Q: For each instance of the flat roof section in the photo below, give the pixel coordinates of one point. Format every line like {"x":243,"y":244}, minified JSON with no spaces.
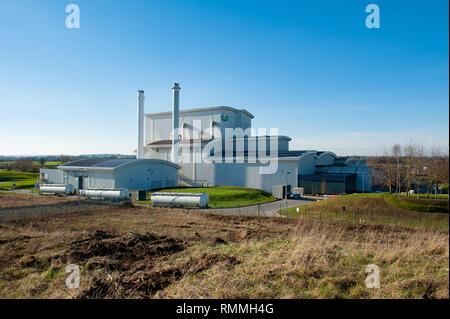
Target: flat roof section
{"x":205,"y":109}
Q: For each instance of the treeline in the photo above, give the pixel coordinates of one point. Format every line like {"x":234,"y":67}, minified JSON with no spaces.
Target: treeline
{"x":33,"y":164}
{"x":26,"y":164}
{"x":412,"y":167}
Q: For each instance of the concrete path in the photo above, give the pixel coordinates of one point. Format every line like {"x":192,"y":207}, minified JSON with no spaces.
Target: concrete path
{"x":266,"y":209}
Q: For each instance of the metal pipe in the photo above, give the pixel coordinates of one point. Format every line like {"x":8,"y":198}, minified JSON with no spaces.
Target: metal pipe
{"x":175,"y":120}
{"x":140,"y":106}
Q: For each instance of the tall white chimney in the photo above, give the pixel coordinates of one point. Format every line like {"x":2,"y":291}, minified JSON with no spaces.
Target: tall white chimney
{"x":140,"y":109}
{"x":175,"y":120}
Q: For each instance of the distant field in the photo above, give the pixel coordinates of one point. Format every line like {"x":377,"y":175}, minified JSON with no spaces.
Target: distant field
{"x":48,"y":164}
{"x":22,"y":180}
{"x":227,"y":196}
{"x":379,"y":208}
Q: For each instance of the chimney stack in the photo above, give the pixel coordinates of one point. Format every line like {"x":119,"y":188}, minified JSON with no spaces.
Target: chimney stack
{"x":140,"y":109}
{"x":175,"y":120}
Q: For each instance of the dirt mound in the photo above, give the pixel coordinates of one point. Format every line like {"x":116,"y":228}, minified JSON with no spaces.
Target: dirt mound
{"x":219,"y":240}
{"x":145,"y":283}
{"x":125,"y":205}
{"x":134,"y":265}
{"x":121,"y":251}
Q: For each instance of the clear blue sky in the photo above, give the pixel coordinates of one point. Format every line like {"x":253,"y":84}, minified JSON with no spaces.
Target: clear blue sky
{"x":310,"y":68}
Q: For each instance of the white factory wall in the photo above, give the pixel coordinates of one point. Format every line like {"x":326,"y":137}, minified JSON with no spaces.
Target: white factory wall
{"x":241,"y":174}
{"x":260,"y":143}
{"x":53,"y":175}
{"x":91,"y":179}
{"x":146,"y":176}
{"x":307,"y":164}
{"x":161,"y":153}
{"x":99,"y":180}
{"x":159,"y":127}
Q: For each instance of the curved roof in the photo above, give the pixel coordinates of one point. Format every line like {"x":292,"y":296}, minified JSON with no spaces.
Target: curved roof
{"x":111,"y":164}
{"x":323,"y":153}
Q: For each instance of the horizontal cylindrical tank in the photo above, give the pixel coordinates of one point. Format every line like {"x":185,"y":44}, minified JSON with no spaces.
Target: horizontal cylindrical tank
{"x":109,"y":194}
{"x":186,"y":200}
{"x":58,"y":189}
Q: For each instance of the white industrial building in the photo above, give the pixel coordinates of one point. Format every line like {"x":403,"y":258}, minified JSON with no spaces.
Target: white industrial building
{"x":201,"y":151}
{"x":98,"y":173}
{"x":203,"y":130}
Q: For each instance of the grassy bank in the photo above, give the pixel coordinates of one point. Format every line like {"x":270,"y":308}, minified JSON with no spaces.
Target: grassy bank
{"x":425,"y":196}
{"x":22,"y":180}
{"x":226,"y":196}
{"x":384,"y":209}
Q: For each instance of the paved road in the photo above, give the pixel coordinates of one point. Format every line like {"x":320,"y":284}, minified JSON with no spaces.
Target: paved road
{"x":267,"y":209}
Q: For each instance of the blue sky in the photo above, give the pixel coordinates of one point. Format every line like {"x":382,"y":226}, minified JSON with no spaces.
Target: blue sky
{"x":309,"y":68}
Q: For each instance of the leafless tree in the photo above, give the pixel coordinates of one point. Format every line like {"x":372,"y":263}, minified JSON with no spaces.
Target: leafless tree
{"x":397,"y":154}
{"x":409,"y":153}
{"x":384,"y":169}
{"x":25,"y":165}
{"x":412,"y":167}
{"x":64,"y":159}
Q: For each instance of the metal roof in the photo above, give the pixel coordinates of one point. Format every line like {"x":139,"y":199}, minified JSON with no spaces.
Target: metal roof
{"x":206,"y":109}
{"x":292,"y":153}
{"x":108,"y":164}
{"x":189,"y":141}
{"x":99,"y":162}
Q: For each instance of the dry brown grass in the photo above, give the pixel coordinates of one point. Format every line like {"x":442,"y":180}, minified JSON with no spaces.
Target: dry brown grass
{"x":9,"y":200}
{"x":254,"y":258}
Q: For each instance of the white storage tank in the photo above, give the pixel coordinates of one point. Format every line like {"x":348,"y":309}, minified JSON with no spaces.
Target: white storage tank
{"x":186,"y":200}
{"x":58,"y":189}
{"x":108,"y":194}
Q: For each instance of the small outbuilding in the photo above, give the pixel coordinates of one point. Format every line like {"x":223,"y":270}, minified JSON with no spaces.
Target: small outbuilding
{"x":136,"y":174}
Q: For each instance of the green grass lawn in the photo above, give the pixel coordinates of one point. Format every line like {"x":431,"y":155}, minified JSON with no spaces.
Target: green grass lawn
{"x":226,"y":196}
{"x":379,"y":208}
{"x":22,"y":180}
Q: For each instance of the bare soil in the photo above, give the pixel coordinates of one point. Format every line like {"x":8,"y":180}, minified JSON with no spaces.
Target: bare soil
{"x":8,"y":200}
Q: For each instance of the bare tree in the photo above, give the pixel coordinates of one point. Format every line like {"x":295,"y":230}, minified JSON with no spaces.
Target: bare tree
{"x":397,"y":154}
{"x":442,"y":169}
{"x":418,"y":166}
{"x":410,"y":153}
{"x":24,"y":165}
{"x":42,"y":162}
{"x":384,"y":169}
{"x":64,"y":159}
{"x":413,"y":168}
